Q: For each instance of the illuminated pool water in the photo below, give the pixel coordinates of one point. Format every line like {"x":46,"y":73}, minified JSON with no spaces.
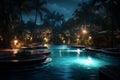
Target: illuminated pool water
{"x":67,"y":64}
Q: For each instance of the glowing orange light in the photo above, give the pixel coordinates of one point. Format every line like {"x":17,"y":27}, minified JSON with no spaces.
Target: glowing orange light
{"x":46,"y":39}
{"x":15,"y":51}
{"x":15,"y":42}
{"x":90,"y":37}
{"x":77,"y":39}
{"x":84,"y":31}
{"x":64,"y":41}
{"x":78,"y":36}
{"x":46,"y":45}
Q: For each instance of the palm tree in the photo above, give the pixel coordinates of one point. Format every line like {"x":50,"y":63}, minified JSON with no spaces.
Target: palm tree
{"x":54,"y":20}
{"x":39,"y":8}
{"x":22,"y":7}
{"x":9,"y":15}
{"x":112,"y":7}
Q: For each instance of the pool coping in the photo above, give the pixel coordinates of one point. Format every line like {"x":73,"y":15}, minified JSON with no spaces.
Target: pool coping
{"x":117,"y":54}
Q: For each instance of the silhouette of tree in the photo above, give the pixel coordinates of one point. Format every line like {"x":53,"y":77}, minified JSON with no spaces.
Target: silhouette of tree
{"x":8,"y":14}
{"x":10,"y":17}
{"x":38,"y":5}
{"x":112,"y":8}
{"x":23,"y":7}
{"x":54,"y":20}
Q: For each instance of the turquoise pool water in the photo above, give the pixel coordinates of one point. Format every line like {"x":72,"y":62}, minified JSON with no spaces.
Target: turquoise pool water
{"x":67,"y":64}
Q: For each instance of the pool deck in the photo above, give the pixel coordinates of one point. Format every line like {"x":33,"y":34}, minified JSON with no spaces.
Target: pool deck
{"x":8,"y":58}
{"x":77,"y":46}
{"x":109,"y":72}
{"x":105,"y":51}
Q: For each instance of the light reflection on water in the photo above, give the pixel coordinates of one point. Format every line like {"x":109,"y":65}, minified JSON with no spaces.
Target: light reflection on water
{"x":77,"y":57}
{"x":66,"y":64}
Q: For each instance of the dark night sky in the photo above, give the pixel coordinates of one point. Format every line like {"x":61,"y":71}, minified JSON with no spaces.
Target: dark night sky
{"x":66,"y":7}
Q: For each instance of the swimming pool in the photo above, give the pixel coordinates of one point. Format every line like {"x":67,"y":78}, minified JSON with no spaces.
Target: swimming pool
{"x":67,"y":64}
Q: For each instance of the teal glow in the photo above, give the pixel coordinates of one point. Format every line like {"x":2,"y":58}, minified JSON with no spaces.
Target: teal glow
{"x":89,"y":62}
{"x":66,"y":64}
{"x":85,"y":61}
{"x":72,"y":50}
{"x":69,"y":56}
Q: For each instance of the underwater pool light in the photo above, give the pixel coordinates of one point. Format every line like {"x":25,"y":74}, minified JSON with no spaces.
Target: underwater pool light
{"x":78,"y":51}
{"x":89,"y":62}
{"x":85,"y":61}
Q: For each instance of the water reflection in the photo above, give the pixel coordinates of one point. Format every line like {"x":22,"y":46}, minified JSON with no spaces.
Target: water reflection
{"x":60,"y":53}
{"x":78,"y":51}
{"x":66,"y":64}
{"x":78,"y":54}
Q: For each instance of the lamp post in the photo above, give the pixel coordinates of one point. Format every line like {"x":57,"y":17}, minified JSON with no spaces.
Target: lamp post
{"x":84,"y":32}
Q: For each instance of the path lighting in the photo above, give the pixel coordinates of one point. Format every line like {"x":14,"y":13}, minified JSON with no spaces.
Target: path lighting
{"x":90,"y":37}
{"x":15,"y":51}
{"x":78,"y":36}
{"x":46,"y":45}
{"x":15,"y":42}
{"x":64,"y":41}
{"x":84,"y":31}
{"x":31,"y":38}
{"x":77,"y":39}
{"x":46,"y":39}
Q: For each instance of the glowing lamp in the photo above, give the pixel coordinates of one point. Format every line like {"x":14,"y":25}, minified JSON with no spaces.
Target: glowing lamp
{"x":15,"y":51}
{"x":90,"y":37}
{"x":84,"y":31}
{"x":15,"y":42}
{"x":46,"y":40}
{"x":46,"y":45}
{"x":64,"y":41}
{"x":77,"y":39}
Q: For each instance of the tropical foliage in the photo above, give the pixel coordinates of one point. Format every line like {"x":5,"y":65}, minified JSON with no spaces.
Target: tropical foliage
{"x":112,"y":9}
{"x":11,"y":12}
{"x":94,"y":16}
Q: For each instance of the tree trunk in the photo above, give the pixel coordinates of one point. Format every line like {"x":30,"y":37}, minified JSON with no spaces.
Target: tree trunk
{"x":36,"y":16}
{"x":20,"y":15}
{"x":6,"y":32}
{"x":112,"y":25}
{"x":112,"y":33}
